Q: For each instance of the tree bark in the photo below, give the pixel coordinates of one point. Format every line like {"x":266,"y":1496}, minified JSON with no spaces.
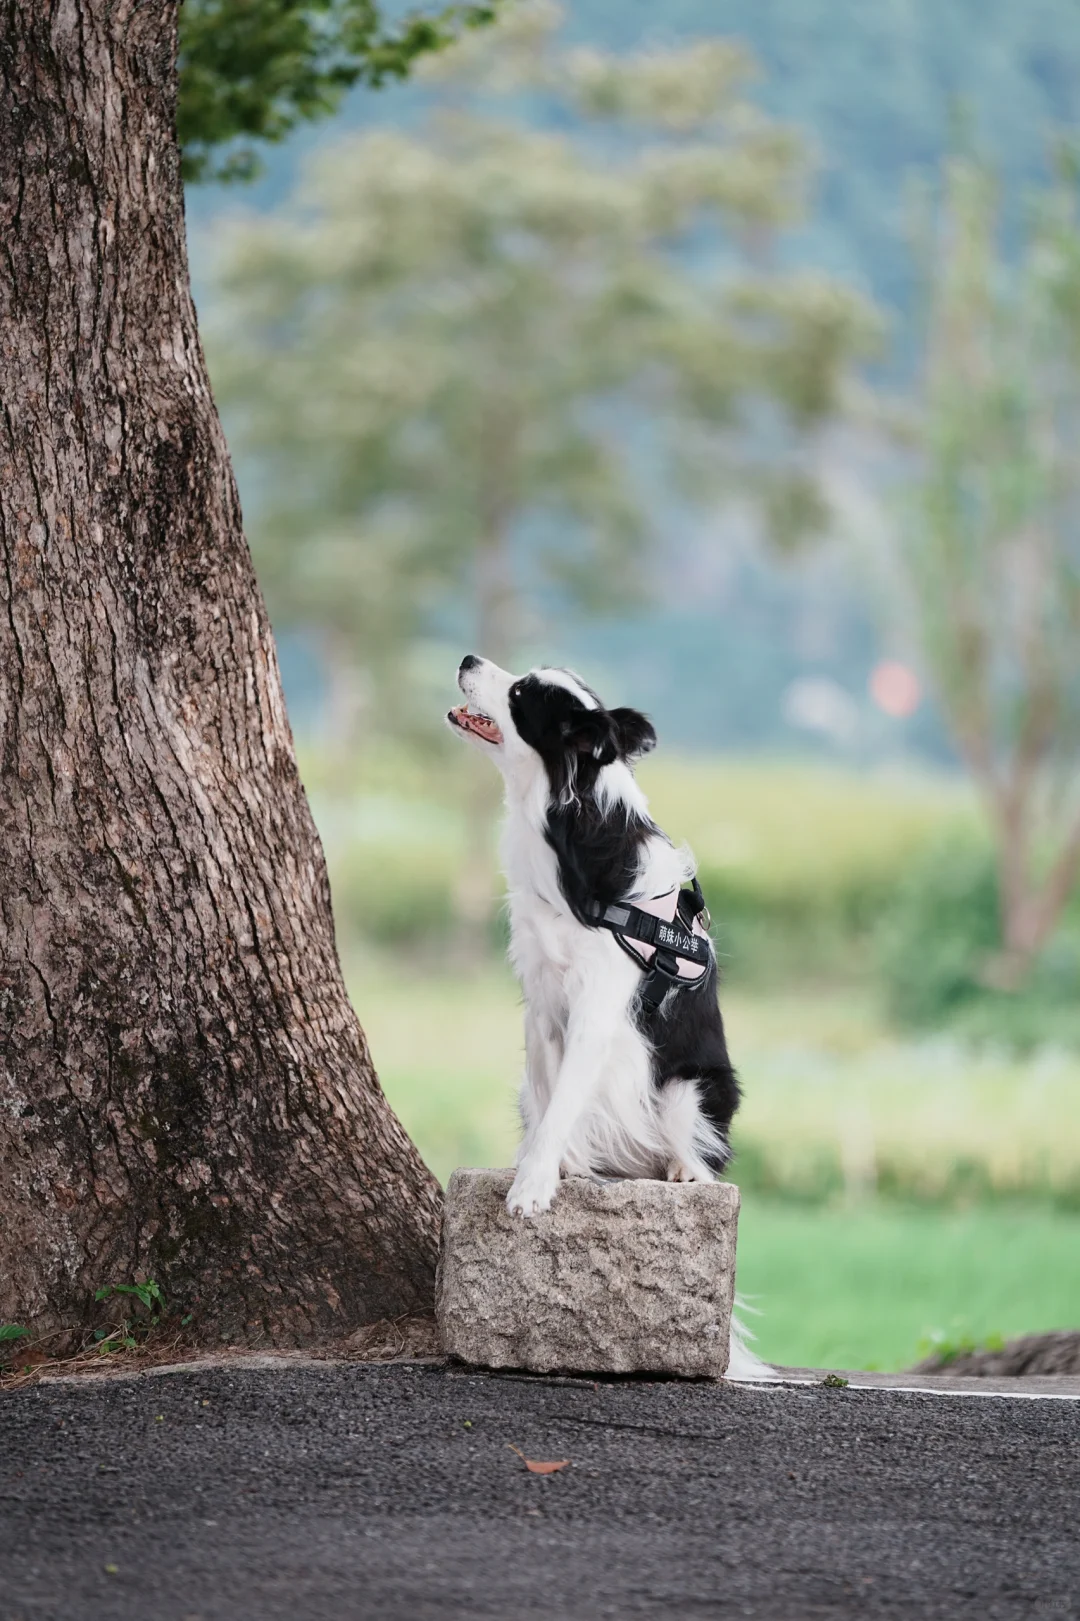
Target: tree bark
{"x":1031,"y":907}
{"x":185,"y":1092}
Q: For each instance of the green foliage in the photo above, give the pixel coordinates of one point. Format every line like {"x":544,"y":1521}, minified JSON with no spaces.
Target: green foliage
{"x":251,"y":70}
{"x":461,"y":364}
{"x":798,"y":863}
{"x":393,"y":896}
{"x":942,"y":931}
{"x":877,"y":89}
{"x":941,"y":1344}
{"x":1014,"y":68}
{"x":988,"y":556}
{"x":10,"y":1334}
{"x":818,"y":1173}
{"x":988,"y":550}
{"x":148,"y":1294}
{"x":129,"y":1333}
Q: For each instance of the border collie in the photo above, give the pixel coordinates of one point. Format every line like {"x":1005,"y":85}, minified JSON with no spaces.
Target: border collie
{"x":617,"y":1083}
{"x":611,"y":1087}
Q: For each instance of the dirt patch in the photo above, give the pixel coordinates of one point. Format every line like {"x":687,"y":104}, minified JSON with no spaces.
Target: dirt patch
{"x":1033,"y":1354}
{"x":401,"y":1339}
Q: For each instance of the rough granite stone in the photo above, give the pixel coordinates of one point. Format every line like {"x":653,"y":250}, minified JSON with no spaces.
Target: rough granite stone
{"x":618,"y":1277}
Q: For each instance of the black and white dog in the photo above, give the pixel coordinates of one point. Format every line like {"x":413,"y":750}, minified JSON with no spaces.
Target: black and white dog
{"x":626,"y":1066}
{"x":627,"y":1071}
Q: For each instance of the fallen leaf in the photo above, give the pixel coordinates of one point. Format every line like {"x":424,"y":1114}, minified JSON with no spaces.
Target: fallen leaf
{"x":536,"y":1468}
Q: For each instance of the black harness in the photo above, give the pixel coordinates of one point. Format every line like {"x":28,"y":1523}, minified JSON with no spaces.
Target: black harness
{"x":677,"y":951}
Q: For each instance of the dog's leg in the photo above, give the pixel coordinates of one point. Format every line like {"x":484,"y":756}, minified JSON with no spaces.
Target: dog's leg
{"x":691,"y":1141}
{"x":593,"y":1023}
{"x":542,"y":1054}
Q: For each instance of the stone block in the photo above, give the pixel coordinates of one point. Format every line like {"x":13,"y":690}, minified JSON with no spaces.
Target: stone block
{"x":618,"y":1277}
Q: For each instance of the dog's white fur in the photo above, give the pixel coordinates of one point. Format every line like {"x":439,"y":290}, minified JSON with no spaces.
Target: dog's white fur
{"x":587,"y":1103}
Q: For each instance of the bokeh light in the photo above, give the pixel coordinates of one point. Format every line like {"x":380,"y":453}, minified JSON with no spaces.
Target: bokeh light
{"x":895,"y":688}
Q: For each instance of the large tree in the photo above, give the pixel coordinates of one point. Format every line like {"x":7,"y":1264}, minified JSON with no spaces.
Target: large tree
{"x":184,"y":1089}
{"x":465,"y":358}
{"x":989,"y":549}
{"x":471,"y":360}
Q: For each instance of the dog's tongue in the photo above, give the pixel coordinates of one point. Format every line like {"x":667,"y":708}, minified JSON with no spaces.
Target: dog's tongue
{"x":480,"y":725}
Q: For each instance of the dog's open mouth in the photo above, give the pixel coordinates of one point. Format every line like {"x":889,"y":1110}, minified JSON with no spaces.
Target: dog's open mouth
{"x":469,"y":720}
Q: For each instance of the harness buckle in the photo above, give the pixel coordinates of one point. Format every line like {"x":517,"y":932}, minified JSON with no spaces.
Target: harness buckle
{"x":659,"y":979}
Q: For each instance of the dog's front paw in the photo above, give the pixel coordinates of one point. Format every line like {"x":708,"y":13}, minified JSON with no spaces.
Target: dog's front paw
{"x":532,"y":1191}
{"x":689,"y":1170}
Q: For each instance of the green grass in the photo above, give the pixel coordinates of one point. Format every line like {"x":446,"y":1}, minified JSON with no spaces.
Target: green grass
{"x":449,"y":1053}
{"x":836,"y":1105}
{"x":835,"y":1108}
{"x":793,"y":855}
{"x":869,"y":1287}
{"x":850,"y":1280}
{"x":801,"y":836}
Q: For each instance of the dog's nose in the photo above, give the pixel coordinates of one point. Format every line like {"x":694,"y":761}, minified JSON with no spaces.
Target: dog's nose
{"x":469,"y":662}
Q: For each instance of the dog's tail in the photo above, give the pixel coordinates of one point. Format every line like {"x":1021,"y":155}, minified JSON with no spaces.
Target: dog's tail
{"x":744,"y":1366}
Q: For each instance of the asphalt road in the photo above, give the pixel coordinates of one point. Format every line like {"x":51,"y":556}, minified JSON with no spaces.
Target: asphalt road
{"x":391,"y":1492}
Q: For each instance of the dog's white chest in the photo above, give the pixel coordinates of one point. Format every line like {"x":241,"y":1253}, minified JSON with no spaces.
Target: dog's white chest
{"x":542,"y":950}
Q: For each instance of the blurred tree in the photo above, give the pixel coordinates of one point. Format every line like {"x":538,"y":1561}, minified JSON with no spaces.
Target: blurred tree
{"x":875,"y":88}
{"x":464,"y":363}
{"x":251,"y":70}
{"x":462,"y":366}
{"x":990,"y":549}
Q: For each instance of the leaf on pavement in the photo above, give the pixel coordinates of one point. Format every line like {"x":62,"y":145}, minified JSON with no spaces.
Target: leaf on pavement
{"x":536,"y":1468}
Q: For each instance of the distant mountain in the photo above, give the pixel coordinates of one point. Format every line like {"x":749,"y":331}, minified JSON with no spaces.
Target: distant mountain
{"x":882,"y":87}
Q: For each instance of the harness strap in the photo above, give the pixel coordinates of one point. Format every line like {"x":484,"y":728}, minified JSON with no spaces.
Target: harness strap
{"x":668,"y":942}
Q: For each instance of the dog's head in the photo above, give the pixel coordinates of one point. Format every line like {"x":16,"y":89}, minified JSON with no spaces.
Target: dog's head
{"x":550,"y":714}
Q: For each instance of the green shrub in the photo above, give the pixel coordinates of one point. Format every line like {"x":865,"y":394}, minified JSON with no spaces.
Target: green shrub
{"x":392,"y":863}
{"x":391,"y":898}
{"x":940,"y":931}
{"x":799,"y":861}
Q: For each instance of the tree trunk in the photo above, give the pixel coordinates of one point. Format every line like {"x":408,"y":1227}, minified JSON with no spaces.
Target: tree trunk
{"x":185,"y":1092}
{"x":1031,"y":907}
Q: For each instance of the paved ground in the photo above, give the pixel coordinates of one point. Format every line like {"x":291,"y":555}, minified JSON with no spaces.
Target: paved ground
{"x":246,"y":1494}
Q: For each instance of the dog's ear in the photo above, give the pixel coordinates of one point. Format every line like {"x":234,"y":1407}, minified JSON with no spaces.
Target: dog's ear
{"x":634,"y":732}
{"x":610,"y":734}
{"x":593,"y":731}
